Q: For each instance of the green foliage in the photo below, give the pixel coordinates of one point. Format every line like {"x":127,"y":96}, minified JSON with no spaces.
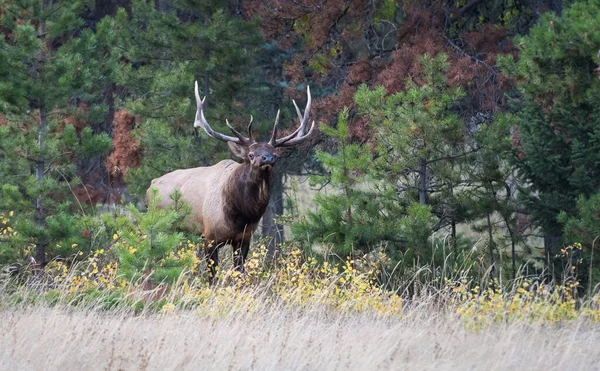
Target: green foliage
{"x":350,"y":221}
{"x":48,"y":65}
{"x":416,"y":227}
{"x":583,"y":228}
{"x":65,"y":70}
{"x":359,"y":217}
{"x":558,"y":148}
{"x":488,"y":202}
{"x":147,"y":243}
{"x":421,"y":172}
{"x":421,"y":145}
{"x":416,"y":134}
{"x":377,"y":185}
{"x":386,"y":11}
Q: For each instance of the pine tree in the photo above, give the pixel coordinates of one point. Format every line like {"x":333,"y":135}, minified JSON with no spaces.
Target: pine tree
{"x":557,"y":116}
{"x":420,"y":142}
{"x":149,"y":247}
{"x":350,"y":221}
{"x":388,"y":188}
{"x":51,"y":69}
{"x":487,"y":196}
{"x":362,"y":214}
{"x":582,"y":230}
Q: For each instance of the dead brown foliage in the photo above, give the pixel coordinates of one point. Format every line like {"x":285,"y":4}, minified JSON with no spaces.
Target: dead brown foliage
{"x":326,"y":27}
{"x":88,"y":194}
{"x":126,"y":149}
{"x":78,"y":119}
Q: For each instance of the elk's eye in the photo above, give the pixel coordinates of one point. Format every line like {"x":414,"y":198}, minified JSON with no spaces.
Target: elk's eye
{"x":251,"y":156}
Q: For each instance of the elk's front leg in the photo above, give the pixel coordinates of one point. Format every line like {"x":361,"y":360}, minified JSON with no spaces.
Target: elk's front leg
{"x":211,"y":254}
{"x":240,"y":253}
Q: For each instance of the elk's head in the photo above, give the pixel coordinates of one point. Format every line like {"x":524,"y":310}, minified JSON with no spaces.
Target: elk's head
{"x":261,"y":156}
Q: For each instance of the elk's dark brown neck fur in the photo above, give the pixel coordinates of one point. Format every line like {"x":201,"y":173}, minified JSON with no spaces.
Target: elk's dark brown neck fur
{"x":246,"y":195}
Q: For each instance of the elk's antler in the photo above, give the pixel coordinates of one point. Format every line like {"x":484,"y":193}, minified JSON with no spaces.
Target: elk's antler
{"x":298,"y":136}
{"x":201,"y":122}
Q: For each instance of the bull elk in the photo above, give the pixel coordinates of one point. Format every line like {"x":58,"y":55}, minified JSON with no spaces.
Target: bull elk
{"x":229,"y":198}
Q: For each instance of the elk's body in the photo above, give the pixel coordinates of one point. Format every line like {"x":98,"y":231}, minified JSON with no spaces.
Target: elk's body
{"x":229,"y":198}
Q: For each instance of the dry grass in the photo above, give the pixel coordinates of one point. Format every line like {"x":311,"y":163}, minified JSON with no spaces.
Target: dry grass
{"x":45,"y":338}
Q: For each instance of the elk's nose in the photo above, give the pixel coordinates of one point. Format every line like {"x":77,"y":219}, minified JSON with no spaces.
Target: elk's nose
{"x":267,"y":159}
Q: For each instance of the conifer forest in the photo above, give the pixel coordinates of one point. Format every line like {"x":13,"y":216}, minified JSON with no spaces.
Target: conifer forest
{"x":433,"y":174}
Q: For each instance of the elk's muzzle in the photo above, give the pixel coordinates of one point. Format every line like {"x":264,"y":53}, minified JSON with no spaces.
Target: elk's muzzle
{"x":265,"y":162}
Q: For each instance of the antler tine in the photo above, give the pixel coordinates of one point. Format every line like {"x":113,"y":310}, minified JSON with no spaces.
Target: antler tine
{"x":244,"y":140}
{"x":297,"y":140}
{"x":287,"y":138}
{"x":297,"y":110}
{"x":200,"y":121}
{"x":273,"y":140}
{"x":306,"y":110}
{"x":293,"y":138}
{"x":250,"y":128}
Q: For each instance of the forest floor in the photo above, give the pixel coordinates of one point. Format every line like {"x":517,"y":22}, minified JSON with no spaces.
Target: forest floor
{"x":44,"y":338}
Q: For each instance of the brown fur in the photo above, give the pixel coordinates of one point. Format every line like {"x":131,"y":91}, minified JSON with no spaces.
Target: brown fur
{"x":246,"y":196}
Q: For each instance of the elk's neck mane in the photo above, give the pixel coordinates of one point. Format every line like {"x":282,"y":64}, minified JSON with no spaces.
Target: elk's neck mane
{"x":246,"y":195}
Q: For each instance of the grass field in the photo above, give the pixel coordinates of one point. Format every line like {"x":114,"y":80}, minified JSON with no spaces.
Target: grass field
{"x":43,"y":338}
{"x":298,"y":314}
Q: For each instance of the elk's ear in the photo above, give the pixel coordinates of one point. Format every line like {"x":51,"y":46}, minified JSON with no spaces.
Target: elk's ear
{"x":238,"y":150}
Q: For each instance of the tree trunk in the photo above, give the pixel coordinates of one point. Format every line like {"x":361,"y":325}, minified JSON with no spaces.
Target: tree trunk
{"x":423,"y":182}
{"x":552,"y":244}
{"x":491,"y":245}
{"x":270,"y":228}
{"x":164,"y":6}
{"x":454,"y":243}
{"x":513,"y":252}
{"x":40,"y":215}
{"x":555,"y":6}
{"x":206,"y":75}
{"x":40,"y":165}
{"x":102,"y":8}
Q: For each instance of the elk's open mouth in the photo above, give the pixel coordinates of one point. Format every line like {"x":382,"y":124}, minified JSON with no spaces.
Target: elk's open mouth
{"x":266,"y":167}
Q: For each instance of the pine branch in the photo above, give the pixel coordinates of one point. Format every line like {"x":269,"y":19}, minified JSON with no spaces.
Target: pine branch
{"x":452,"y":157}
